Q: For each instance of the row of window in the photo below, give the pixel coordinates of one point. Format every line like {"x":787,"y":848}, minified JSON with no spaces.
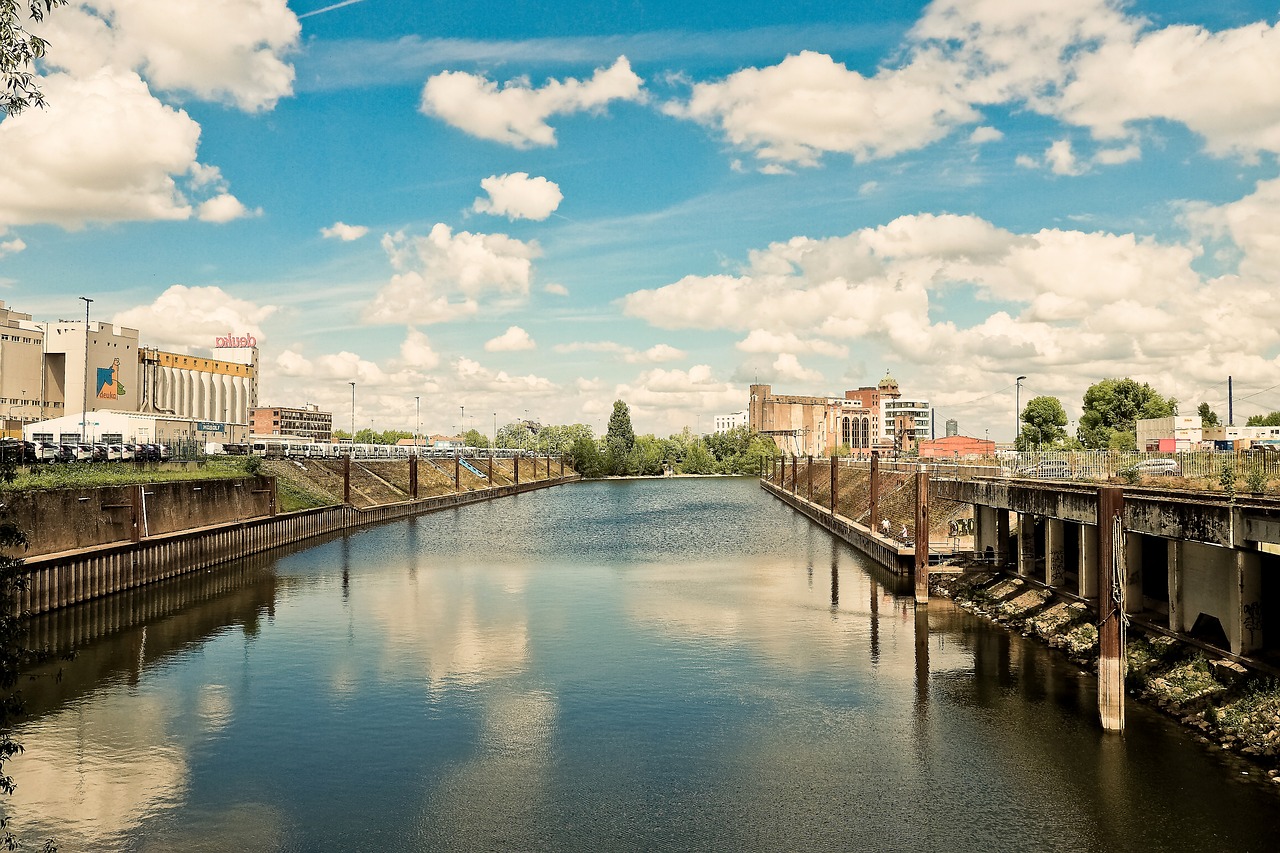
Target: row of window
{"x":19,"y":340}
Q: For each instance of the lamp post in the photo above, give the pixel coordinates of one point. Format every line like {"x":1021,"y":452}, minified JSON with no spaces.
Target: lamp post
{"x":417,"y":424}
{"x":495,"y":430}
{"x":353,"y":411}
{"x":462,"y":421}
{"x":84,"y":413}
{"x":1017,"y":413}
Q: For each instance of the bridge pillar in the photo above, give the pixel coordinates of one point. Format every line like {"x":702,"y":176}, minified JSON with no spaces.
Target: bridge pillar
{"x":1111,"y":574}
{"x":1247,"y":636}
{"x":1055,"y":553}
{"x":1133,"y":573}
{"x":1026,"y":544}
{"x":1088,"y":571}
{"x":1002,"y":537}
{"x":922,"y":540}
{"x":1176,"y":605}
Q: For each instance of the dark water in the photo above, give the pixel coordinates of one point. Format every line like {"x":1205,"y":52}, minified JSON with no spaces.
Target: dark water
{"x":610,"y":666}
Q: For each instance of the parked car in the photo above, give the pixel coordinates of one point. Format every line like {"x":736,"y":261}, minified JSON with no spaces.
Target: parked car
{"x":46,"y":451}
{"x":100,"y":453}
{"x":1155,"y":468}
{"x":1049,"y":469}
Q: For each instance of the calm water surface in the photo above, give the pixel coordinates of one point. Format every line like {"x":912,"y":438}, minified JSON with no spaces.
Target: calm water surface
{"x":606,"y":666}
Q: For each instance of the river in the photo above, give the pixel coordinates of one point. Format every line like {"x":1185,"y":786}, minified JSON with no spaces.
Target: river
{"x":635,"y":665}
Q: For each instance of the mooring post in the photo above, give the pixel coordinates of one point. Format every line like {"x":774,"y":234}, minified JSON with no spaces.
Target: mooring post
{"x":795,"y":474}
{"x":1111,"y":618}
{"x":922,"y":536}
{"x":457,"y":471}
{"x":515,"y":465}
{"x":561,"y":466}
{"x":808,"y":470}
{"x":346,"y":479}
{"x":413,"y":476}
{"x":835,"y":482}
{"x":873,"y":518}
{"x":491,"y":467}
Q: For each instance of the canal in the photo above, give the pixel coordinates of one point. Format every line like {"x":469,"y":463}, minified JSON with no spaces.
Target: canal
{"x":642,"y":665}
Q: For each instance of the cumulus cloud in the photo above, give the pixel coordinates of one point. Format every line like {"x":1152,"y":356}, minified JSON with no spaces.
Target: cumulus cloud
{"x":12,"y":246}
{"x":344,"y":232}
{"x":185,"y":318}
{"x":480,"y":378}
{"x":1058,"y":59}
{"x":1061,"y":160}
{"x":670,"y":399}
{"x":516,"y":113}
{"x":514,"y":339}
{"x":224,"y":208}
{"x":231,"y":51}
{"x":1069,"y":304}
{"x":445,"y":276}
{"x":809,"y":104}
{"x":417,"y":352}
{"x":518,"y":196}
{"x":556,"y":289}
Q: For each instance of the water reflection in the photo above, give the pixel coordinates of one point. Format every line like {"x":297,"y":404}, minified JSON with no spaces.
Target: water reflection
{"x":542,"y":674}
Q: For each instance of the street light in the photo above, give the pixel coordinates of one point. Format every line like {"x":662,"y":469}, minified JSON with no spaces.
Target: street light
{"x":463,"y":420}
{"x":353,"y":411}
{"x":1017,"y":413}
{"x":417,"y":424}
{"x":84,"y":413}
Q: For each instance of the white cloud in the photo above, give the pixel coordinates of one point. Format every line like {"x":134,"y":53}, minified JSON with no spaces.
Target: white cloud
{"x":809,"y":104}
{"x":653,"y":355}
{"x":518,"y":196}
{"x":513,"y":339}
{"x":516,"y":114}
{"x":416,"y":351}
{"x":184,"y":318}
{"x":788,"y":368}
{"x":230,"y":51}
{"x":344,"y":232}
{"x":11,"y":247}
{"x":985,"y":133}
{"x":764,"y":341}
{"x":224,"y":208}
{"x":667,"y":400}
{"x":444,"y":276}
{"x":475,"y":376}
{"x":105,"y":149}
{"x":556,"y":289}
{"x":1061,"y":160}
{"x":1066,"y":304}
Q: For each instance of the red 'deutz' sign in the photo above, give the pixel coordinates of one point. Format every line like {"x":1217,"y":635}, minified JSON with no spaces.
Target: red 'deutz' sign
{"x":235,"y":342}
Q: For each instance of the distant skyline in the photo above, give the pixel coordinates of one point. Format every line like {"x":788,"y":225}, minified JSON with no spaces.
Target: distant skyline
{"x":535,"y":209}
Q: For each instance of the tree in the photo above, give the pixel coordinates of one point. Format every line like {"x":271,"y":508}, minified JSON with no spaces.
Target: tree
{"x":586,"y":457}
{"x":19,"y":50}
{"x":1043,"y":420}
{"x":475,"y":438}
{"x":1115,"y":406}
{"x":1272,"y":419}
{"x":619,"y":439}
{"x":1208,"y":417}
{"x":515,"y":436}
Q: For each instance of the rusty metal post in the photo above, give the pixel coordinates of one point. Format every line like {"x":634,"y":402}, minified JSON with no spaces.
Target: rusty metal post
{"x":457,"y":471}
{"x":346,"y":479}
{"x":515,"y":465}
{"x":561,"y":466}
{"x":808,"y":470}
{"x":490,"y":467}
{"x":413,"y":476}
{"x":874,"y":518}
{"x":795,"y":474}
{"x":922,"y":536}
{"x":135,"y":495}
{"x":272,"y":507}
{"x":835,"y":482}
{"x":1111,"y":618}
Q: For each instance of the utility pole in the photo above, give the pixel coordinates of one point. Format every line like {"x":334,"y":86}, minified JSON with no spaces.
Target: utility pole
{"x":1231,"y":415}
{"x":417,"y":424}
{"x":1017,"y":413}
{"x":84,"y":413}
{"x":353,"y":411}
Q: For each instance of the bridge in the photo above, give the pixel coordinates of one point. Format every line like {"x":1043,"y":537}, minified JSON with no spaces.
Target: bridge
{"x":1200,"y":565}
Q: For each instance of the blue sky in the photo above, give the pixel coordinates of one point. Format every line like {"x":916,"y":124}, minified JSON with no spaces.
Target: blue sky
{"x":542,"y":207}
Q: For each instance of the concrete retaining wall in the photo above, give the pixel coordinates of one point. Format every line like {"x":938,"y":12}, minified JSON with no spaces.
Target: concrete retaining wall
{"x":900,"y":561}
{"x":58,"y":580}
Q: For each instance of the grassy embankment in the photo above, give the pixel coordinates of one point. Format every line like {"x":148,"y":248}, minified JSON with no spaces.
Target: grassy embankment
{"x":1231,"y":706}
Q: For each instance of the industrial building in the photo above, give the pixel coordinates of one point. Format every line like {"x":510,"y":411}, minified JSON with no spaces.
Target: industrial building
{"x":105,"y":427}
{"x":863,"y":419}
{"x":733,"y":420}
{"x":308,"y":422}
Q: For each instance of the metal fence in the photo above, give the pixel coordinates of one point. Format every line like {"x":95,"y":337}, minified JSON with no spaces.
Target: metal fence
{"x":1103,"y":464}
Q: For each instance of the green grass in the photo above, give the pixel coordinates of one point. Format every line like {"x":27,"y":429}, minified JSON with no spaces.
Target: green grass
{"x":91,"y":474}
{"x":291,"y":497}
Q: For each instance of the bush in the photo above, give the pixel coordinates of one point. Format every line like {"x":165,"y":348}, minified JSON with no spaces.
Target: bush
{"x":1256,"y":479}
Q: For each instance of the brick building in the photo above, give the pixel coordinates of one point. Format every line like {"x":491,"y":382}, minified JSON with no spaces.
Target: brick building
{"x":308,"y":422}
